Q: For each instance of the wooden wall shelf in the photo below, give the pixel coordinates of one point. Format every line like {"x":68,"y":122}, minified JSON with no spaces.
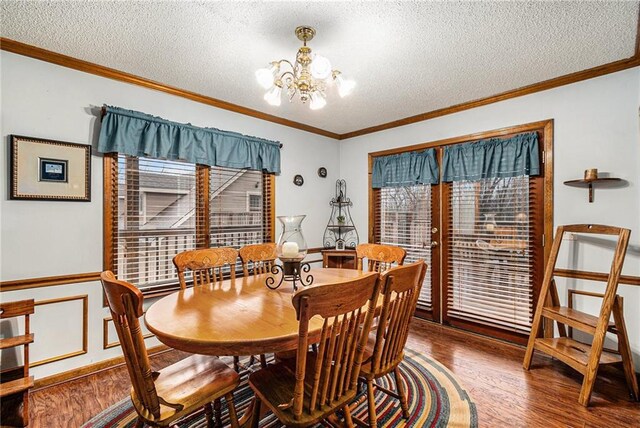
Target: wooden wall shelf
{"x":597,"y":182}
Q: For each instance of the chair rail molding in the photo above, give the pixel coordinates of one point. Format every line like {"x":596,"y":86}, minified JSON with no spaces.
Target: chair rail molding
{"x":48,"y":281}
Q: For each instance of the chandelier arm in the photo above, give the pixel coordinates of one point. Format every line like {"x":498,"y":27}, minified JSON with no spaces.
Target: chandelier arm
{"x":287,"y":62}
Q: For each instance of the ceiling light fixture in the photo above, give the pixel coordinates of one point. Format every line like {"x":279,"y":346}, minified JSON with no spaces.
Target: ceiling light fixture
{"x":308,"y":76}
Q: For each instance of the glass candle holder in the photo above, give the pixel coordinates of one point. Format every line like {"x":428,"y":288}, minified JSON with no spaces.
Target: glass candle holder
{"x":291,"y":243}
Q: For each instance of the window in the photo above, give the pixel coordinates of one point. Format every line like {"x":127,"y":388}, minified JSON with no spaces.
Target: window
{"x":161,"y":208}
{"x":255,"y":202}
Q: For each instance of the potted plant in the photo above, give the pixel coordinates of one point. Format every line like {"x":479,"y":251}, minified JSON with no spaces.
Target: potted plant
{"x":341,"y":219}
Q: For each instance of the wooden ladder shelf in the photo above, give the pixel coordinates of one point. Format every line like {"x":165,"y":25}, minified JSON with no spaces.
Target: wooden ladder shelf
{"x":15,"y":382}
{"x":582,"y":357}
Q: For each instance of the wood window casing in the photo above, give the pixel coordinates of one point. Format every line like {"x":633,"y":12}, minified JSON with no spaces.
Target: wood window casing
{"x":202,"y":217}
{"x":540,"y":188}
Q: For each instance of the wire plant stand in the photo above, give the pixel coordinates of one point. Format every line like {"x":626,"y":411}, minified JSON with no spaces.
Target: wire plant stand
{"x":340,"y":233}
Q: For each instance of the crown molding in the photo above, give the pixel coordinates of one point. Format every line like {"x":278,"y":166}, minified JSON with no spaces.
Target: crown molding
{"x":99,"y":70}
{"x":567,"y":79}
{"x":110,"y":73}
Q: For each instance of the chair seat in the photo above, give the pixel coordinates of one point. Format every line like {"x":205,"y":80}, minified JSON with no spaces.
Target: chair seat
{"x":275,"y":384}
{"x":191,"y":382}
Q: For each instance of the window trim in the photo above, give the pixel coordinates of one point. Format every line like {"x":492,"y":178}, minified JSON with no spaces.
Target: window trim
{"x":110,"y":214}
{"x":545,"y":130}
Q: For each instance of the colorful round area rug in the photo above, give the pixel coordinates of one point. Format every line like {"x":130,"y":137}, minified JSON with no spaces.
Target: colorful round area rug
{"x":436,"y":399}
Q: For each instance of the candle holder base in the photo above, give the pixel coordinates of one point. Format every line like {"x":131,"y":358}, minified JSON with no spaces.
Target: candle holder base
{"x":291,"y":270}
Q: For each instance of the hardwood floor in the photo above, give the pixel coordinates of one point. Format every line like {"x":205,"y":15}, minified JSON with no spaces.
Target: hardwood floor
{"x":490,"y":370}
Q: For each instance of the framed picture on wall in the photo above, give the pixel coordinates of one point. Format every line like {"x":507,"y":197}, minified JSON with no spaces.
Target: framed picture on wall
{"x":49,"y":170}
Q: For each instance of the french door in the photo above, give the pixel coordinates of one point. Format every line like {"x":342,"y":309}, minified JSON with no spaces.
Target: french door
{"x":409,"y":217}
{"x":483,"y":241}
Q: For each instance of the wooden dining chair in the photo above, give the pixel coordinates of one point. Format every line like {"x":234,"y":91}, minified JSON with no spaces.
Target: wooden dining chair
{"x":207,"y":265}
{"x":161,"y":398}
{"x":379,"y":257}
{"x":385,"y":348}
{"x":313,"y":386}
{"x":258,"y":258}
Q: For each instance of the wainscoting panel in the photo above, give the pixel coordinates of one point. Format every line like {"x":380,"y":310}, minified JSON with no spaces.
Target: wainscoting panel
{"x":68,"y":316}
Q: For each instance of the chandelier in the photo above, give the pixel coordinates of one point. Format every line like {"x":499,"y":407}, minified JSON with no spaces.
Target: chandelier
{"x":308,"y":76}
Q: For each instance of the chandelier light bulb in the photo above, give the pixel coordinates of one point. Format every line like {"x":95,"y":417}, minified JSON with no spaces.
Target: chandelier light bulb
{"x":345,"y":86}
{"x":317,"y":101}
{"x":273,"y":96}
{"x":320,"y":67}
{"x":265,"y":77}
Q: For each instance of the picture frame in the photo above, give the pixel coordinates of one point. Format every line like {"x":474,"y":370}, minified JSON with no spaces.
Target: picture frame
{"x":49,"y":170}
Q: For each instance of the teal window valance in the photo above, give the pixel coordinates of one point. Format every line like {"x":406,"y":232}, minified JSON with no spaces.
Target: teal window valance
{"x":492,"y":158}
{"x":138,"y":134}
{"x":405,"y":169}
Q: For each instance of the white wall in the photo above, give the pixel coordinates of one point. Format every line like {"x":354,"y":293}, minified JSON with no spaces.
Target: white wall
{"x":44,"y":100}
{"x":596,"y":126}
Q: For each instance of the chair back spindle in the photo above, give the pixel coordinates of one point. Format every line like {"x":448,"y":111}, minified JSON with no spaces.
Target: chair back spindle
{"x":207,"y":265}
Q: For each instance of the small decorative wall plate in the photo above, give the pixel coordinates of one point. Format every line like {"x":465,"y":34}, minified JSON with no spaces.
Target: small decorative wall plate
{"x":322,"y":172}
{"x":298,"y":180}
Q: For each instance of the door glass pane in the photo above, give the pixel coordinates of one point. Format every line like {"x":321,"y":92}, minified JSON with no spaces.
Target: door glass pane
{"x":490,"y":253}
{"x":405,"y":221}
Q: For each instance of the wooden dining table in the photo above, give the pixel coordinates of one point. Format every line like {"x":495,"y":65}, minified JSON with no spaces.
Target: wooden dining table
{"x":235,"y":317}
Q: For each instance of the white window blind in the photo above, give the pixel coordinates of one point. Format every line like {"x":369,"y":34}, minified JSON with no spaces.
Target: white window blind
{"x":156,"y":207}
{"x":233,"y":222}
{"x":237,"y":208}
{"x":490,"y":246}
{"x":404,"y":219}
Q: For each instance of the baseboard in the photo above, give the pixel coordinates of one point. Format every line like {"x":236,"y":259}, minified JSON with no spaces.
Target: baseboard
{"x":90,"y":369}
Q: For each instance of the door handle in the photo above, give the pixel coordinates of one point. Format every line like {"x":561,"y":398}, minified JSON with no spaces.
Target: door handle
{"x":434,"y":244}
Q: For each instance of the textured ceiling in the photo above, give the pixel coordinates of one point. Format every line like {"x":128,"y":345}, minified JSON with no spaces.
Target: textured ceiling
{"x":407,"y":57}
